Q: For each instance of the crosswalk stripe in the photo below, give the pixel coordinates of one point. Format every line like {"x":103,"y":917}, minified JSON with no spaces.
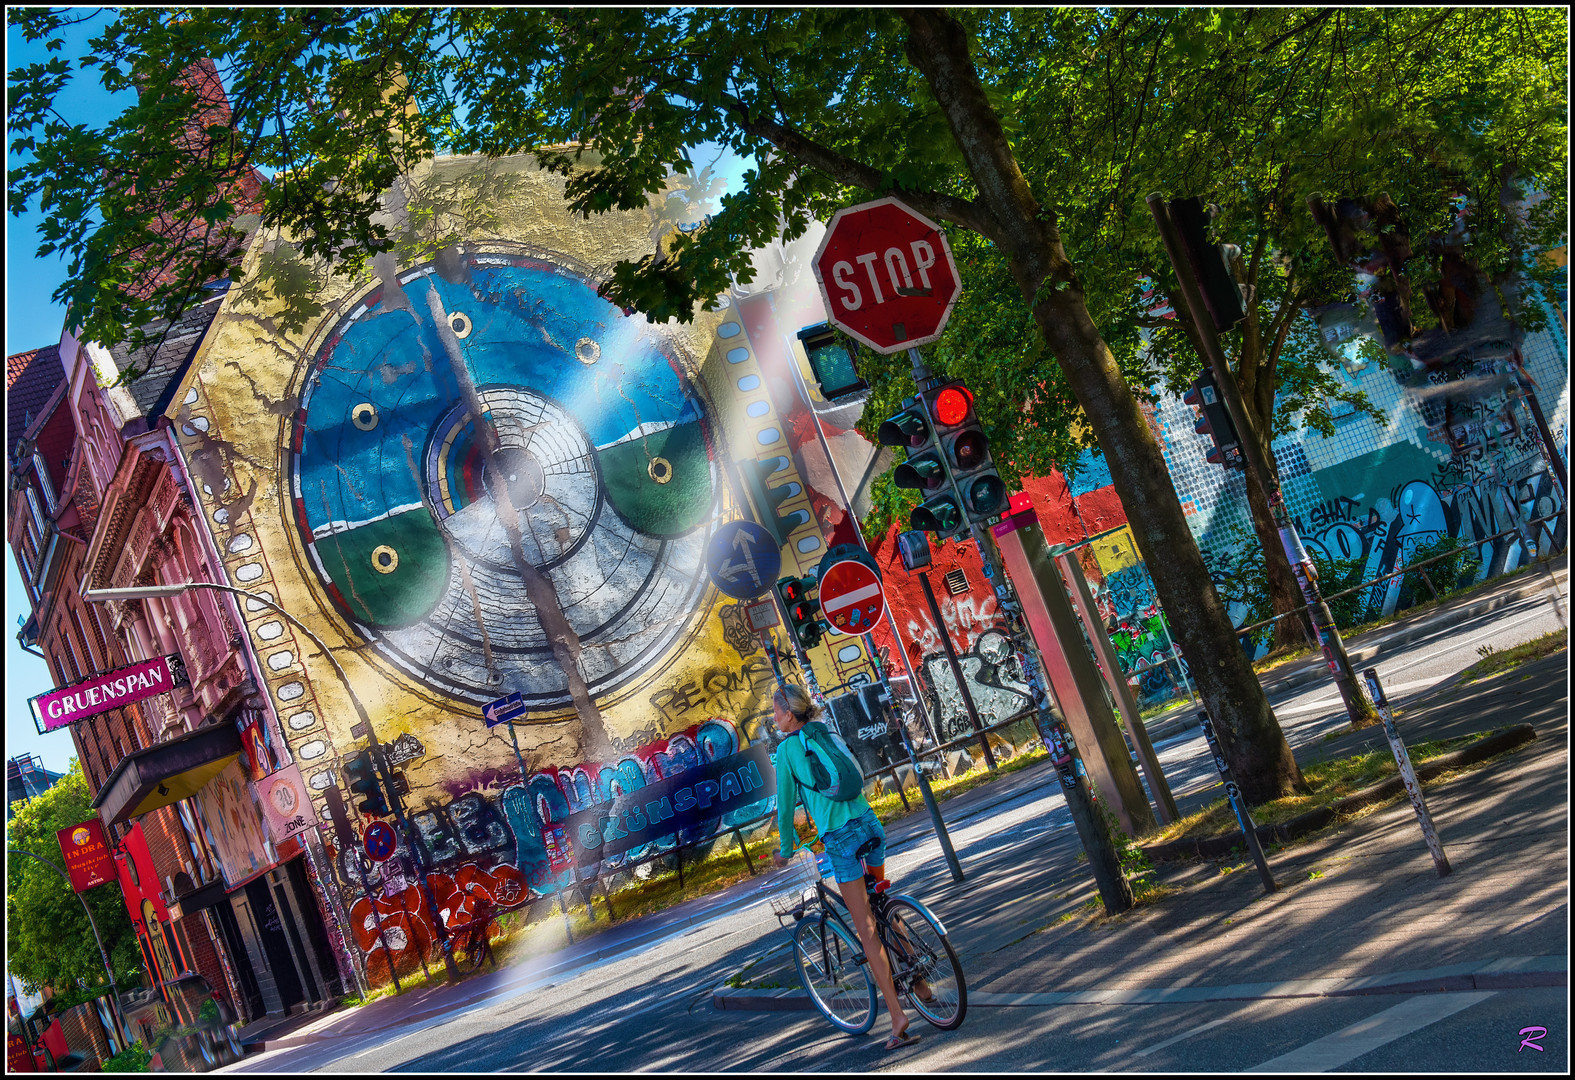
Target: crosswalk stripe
{"x":1349,"y":1043}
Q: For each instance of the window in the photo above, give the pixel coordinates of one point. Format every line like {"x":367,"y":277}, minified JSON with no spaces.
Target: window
{"x":37,"y":522}
{"x":43,"y":479}
{"x":88,"y":650}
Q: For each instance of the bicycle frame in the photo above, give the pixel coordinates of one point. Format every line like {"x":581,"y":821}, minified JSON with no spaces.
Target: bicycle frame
{"x":831,"y":901}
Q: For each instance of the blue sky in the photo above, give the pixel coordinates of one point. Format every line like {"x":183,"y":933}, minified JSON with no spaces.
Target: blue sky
{"x":34,"y":320}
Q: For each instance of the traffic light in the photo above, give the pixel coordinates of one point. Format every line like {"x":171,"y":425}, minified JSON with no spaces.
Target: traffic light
{"x":966,"y":452}
{"x":362,"y":770}
{"x":925,"y":471}
{"x":831,"y":361}
{"x":1221,"y":295}
{"x":1215,"y":422}
{"x":767,"y":499}
{"x":803,"y":614}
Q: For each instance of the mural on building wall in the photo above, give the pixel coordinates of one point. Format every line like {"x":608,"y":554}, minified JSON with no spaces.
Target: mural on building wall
{"x":346,"y":477}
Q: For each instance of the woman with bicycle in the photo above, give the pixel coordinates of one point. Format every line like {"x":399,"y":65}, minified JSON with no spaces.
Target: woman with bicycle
{"x":847,"y":829}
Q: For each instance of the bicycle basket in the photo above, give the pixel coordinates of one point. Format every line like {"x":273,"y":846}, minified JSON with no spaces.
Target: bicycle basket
{"x":793,"y":890}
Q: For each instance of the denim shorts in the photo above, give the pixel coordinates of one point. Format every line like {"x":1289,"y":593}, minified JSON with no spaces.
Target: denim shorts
{"x":843,"y":842}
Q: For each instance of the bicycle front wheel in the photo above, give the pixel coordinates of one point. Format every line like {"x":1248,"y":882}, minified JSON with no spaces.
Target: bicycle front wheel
{"x":924,"y":960}
{"x":843,"y":991}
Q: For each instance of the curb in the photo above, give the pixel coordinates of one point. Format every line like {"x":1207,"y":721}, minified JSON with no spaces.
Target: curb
{"x":1209,"y":847}
{"x":1506,"y":973}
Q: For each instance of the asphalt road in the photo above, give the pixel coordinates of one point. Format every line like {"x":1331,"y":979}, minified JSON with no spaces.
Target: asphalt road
{"x":652,"y":1012}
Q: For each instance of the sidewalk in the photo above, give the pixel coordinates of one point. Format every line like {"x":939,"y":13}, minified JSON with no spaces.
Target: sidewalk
{"x":1359,"y":909}
{"x":1367,"y":647}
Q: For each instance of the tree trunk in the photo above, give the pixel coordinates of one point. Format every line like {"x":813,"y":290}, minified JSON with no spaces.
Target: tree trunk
{"x":1255,"y":378}
{"x":1250,"y":736}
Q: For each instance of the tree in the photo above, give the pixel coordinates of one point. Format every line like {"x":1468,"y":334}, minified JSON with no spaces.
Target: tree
{"x":48,"y":939}
{"x":832,"y":105}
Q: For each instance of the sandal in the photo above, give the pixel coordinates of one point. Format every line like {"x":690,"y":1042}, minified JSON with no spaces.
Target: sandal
{"x":907,"y":1038}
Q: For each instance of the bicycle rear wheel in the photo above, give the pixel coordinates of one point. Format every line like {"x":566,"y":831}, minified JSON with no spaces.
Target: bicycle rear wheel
{"x":843,"y":991}
{"x":921,"y":954}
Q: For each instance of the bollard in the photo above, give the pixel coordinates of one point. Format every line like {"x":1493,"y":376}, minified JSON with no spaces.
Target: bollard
{"x":1237,"y":803}
{"x":1407,"y":773}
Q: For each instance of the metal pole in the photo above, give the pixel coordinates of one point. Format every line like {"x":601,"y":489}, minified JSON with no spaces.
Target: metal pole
{"x":1407,"y":773}
{"x":1356,"y":706}
{"x":957,"y":672}
{"x":1181,"y":667}
{"x":1237,"y":803}
{"x":125,"y":1029}
{"x":1072,"y":570}
{"x":929,"y":804}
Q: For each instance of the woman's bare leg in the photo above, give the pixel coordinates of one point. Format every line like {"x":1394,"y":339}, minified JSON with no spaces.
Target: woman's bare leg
{"x":858,"y":902}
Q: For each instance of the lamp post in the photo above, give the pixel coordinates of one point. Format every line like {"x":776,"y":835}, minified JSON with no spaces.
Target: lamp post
{"x":145,"y":592}
{"x":114,"y":992}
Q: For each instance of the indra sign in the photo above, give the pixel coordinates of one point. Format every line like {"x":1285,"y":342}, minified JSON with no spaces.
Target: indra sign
{"x":603,"y":451}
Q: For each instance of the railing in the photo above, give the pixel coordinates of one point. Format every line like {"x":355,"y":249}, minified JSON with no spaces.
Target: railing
{"x":1409,"y":568}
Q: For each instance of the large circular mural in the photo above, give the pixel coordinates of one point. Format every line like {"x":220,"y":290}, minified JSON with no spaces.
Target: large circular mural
{"x":604,"y":449}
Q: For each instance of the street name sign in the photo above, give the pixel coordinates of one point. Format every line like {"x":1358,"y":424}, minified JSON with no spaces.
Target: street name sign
{"x":886,"y":275}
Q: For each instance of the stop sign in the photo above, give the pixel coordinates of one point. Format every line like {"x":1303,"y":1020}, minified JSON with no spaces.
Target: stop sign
{"x":886,"y":275}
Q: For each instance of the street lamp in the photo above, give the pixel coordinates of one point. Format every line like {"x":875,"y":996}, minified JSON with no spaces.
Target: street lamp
{"x":145,"y":592}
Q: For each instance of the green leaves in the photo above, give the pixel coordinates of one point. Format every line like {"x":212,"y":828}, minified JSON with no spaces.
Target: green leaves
{"x":48,"y":938}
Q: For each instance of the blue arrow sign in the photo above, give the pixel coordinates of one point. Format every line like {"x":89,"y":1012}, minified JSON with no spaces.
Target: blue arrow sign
{"x":743,"y":560}
{"x":503,"y":710}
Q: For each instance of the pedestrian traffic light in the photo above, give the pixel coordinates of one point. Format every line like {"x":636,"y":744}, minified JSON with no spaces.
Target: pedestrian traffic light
{"x":1221,"y":294}
{"x":831,"y":361}
{"x":966,"y":452}
{"x":362,"y":770}
{"x":803,"y":614}
{"x":767,"y":498}
{"x":1215,"y":421}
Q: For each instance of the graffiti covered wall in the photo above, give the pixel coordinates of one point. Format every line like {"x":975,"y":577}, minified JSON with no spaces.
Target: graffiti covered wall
{"x":347,"y":473}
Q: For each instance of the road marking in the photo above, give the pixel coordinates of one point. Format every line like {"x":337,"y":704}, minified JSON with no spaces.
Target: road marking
{"x":1350,"y":1043}
{"x":1200,"y":1029}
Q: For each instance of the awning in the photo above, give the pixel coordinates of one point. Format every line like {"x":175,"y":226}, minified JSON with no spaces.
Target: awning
{"x":167,"y":773}
{"x":200,"y":898}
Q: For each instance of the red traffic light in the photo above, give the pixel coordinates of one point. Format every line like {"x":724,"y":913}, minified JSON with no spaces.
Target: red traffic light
{"x":952,"y":405}
{"x":792,"y":591}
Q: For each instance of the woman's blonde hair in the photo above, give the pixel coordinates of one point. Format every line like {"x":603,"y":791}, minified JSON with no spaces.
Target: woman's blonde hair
{"x":796,"y":700}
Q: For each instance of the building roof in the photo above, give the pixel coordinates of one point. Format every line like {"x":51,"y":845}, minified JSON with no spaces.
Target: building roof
{"x":30,"y":378}
{"x":158,"y":367}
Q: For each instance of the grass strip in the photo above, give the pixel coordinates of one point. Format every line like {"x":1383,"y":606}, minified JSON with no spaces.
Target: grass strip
{"x":1331,"y":781}
{"x":1496,"y":661}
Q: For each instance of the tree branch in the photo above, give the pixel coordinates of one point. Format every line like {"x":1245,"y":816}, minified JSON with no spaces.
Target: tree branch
{"x":854,"y":173}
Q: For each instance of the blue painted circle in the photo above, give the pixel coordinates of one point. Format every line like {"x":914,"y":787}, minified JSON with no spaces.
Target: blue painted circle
{"x":379,"y":841}
{"x":743,"y":560}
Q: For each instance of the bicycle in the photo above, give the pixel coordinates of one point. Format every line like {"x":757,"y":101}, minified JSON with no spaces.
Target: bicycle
{"x":835,"y":973}
{"x":474,"y":938}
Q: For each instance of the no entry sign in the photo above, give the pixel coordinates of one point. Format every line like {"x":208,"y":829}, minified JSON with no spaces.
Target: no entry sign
{"x":851,"y":597}
{"x":886,"y":275}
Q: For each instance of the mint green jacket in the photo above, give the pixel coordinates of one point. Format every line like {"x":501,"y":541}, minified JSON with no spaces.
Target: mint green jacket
{"x":793,"y":774}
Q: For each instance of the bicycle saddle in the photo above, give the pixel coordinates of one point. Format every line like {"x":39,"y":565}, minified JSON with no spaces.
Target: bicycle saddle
{"x":868,"y":846}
